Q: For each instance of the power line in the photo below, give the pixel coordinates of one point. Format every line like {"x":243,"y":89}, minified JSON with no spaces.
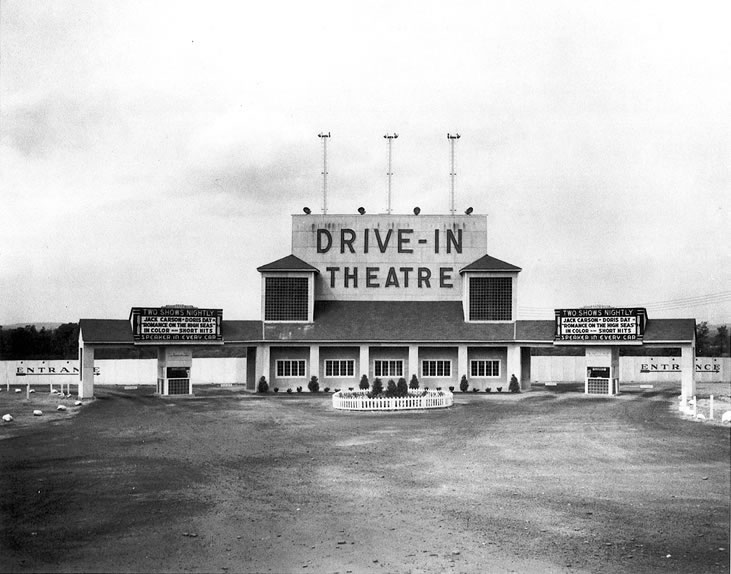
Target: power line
{"x":695,"y":301}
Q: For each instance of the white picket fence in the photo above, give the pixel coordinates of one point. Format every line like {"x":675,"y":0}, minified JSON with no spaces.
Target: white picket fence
{"x":359,"y":401}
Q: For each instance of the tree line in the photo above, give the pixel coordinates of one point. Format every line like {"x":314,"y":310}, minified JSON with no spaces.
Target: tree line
{"x":30,"y":343}
{"x":708,"y":345}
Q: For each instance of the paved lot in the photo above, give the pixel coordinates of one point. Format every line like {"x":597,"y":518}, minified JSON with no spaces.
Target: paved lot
{"x":226,"y":481}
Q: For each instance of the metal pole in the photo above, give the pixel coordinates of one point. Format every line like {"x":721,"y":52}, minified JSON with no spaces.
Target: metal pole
{"x":324,"y":137}
{"x":389,"y":173}
{"x":452,"y":173}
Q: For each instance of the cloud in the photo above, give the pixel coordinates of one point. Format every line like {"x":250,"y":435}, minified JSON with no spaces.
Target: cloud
{"x":54,"y":123}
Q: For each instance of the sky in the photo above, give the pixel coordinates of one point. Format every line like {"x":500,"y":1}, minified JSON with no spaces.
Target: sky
{"x":152,"y":152}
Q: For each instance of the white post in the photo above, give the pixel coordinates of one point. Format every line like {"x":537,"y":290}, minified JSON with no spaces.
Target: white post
{"x":687,"y":369}
{"x":315,"y":361}
{"x":711,"y":413}
{"x":462,"y":363}
{"x":27,"y":391}
{"x":364,"y":360}
{"x":695,"y":407}
{"x":413,"y":361}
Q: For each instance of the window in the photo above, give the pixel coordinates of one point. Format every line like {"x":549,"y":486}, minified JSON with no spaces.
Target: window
{"x":340,"y":368}
{"x":388,"y":368}
{"x":286,"y":299}
{"x":488,"y":368}
{"x":436,"y":368}
{"x":288,"y":368}
{"x":491,"y":299}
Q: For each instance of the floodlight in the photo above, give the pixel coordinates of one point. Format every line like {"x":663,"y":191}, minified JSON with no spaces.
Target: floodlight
{"x":307,"y":210}
{"x":469,"y":211}
{"x":361,"y":210}
{"x":417,"y":210}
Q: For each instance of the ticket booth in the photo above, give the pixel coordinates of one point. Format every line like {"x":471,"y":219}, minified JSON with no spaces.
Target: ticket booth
{"x":173,"y":371}
{"x":602,"y":371}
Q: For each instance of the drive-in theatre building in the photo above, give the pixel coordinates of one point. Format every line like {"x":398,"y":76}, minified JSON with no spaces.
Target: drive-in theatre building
{"x":391,"y":296}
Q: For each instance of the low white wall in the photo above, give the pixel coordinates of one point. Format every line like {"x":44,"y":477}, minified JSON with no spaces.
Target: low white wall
{"x":228,"y":370}
{"x":631,"y":369}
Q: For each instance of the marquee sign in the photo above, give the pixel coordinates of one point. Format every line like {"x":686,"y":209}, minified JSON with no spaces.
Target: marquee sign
{"x":371,"y":257}
{"x":611,"y":325}
{"x":160,"y":325}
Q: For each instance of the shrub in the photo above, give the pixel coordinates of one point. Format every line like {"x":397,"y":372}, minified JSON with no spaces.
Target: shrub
{"x":439,"y":388}
{"x":377,"y":388}
{"x":326,"y":389}
{"x":391,"y":390}
{"x":414,"y":382}
{"x":276,"y":389}
{"x":451,"y":389}
{"x":499,"y":389}
{"x":263,"y":386}
{"x":475,"y":389}
{"x":463,"y":384}
{"x":488,"y":390}
{"x":514,"y":385}
{"x":402,"y":388}
{"x":313,"y":385}
{"x":289,"y":391}
{"x":350,"y":388}
{"x":299,"y":389}
{"x":364,"y":384}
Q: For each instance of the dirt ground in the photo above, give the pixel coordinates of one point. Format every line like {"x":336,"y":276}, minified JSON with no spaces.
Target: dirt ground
{"x":539,"y":482}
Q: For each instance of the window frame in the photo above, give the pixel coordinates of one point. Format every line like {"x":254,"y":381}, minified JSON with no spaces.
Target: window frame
{"x":290,"y":362}
{"x":475,"y":362}
{"x":349,"y":368}
{"x":428,"y":373}
{"x":397,"y":363}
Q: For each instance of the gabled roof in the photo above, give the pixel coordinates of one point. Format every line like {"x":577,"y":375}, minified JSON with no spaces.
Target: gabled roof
{"x":288,"y":263}
{"x":488,"y":263}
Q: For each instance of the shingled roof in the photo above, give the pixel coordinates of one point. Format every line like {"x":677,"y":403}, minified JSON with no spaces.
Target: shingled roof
{"x":119,"y":331}
{"x":106,"y":331}
{"x":389,"y":321}
{"x":288,"y":263}
{"x":674,"y":330}
{"x":489,"y":263}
